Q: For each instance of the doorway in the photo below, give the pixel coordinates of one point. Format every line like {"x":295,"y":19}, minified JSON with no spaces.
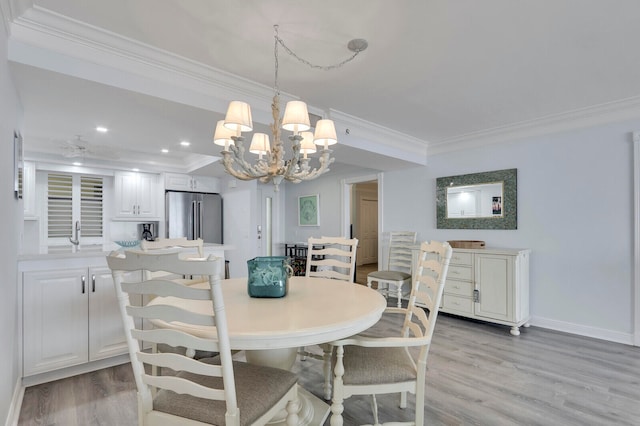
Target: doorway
{"x":362,"y":221}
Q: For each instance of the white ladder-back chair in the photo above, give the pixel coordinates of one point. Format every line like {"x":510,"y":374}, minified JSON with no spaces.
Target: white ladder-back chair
{"x":216,"y":390}
{"x":398,"y":269}
{"x":369,"y":365}
{"x":181,"y":243}
{"x":332,"y":257}
{"x":191,"y":248}
{"x":194,"y":248}
{"x":335,"y":258}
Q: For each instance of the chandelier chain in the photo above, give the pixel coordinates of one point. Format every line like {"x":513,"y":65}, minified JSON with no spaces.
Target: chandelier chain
{"x":306,"y":62}
{"x":276,"y":88}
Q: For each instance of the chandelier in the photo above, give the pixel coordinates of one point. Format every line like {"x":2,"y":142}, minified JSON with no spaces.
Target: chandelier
{"x":271,"y":164}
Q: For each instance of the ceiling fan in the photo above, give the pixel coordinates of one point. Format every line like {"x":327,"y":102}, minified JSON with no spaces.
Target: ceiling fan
{"x":79,"y":147}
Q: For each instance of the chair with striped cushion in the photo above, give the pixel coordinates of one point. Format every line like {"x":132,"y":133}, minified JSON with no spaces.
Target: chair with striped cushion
{"x":215,"y":390}
{"x":369,"y":364}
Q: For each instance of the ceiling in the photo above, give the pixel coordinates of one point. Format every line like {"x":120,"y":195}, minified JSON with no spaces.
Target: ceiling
{"x":438,"y":74}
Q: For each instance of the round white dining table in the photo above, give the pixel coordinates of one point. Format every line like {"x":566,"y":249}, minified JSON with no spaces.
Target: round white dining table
{"x":270,"y":330}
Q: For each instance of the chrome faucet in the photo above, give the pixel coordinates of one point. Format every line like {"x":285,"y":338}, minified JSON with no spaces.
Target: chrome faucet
{"x":77,"y":240}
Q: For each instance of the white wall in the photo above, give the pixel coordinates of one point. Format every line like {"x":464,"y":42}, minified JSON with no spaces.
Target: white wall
{"x":10,"y":229}
{"x":575,"y":212}
{"x":329,"y":189}
{"x":239,"y":216}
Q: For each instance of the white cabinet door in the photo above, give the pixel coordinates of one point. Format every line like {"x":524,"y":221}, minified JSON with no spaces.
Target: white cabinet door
{"x":192,"y":183}
{"x":147,"y":195}
{"x":136,"y":195}
{"x":106,"y":331}
{"x":55,"y":321}
{"x":177,"y":182}
{"x":207,"y":184}
{"x":495,"y":283}
{"x":125,"y":189}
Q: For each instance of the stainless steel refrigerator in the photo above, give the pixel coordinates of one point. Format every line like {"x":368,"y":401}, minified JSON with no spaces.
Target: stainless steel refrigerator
{"x":194,"y":215}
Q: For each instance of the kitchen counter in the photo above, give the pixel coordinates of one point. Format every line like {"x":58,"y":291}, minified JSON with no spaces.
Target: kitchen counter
{"x":92,"y":250}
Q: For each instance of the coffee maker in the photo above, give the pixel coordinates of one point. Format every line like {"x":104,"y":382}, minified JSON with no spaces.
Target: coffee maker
{"x":147,"y":231}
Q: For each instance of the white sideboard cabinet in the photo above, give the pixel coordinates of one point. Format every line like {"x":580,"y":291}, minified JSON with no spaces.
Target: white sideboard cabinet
{"x":490,"y":285}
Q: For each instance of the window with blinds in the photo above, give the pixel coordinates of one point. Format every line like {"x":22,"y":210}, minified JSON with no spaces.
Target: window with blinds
{"x":91,"y":206}
{"x":59,"y":205}
{"x":72,"y":198}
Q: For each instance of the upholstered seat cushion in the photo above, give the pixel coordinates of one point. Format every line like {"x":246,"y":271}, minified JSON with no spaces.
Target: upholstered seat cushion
{"x":257,"y":389}
{"x":389,"y":275}
{"x":365,"y":366}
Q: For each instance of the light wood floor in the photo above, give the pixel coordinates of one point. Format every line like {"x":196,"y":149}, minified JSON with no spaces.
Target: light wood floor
{"x":478,"y":375}
{"x":363,"y":270}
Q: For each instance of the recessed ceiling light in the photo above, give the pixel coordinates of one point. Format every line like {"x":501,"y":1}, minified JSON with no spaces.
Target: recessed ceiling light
{"x":185,"y":143}
{"x":165,"y":150}
{"x":102,"y":129}
{"x":77,"y":163}
{"x":136,"y":170}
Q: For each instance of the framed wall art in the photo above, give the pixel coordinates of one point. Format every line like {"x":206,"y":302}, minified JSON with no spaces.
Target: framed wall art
{"x":308,"y":210}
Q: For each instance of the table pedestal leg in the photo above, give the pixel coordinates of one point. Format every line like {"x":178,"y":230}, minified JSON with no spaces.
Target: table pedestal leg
{"x":313,"y":411}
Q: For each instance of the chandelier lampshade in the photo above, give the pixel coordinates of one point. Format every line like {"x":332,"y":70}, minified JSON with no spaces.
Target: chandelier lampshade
{"x":325,"y":133}
{"x":223,"y":136}
{"x":306,"y":145}
{"x":238,"y":117}
{"x":296,"y":117}
{"x":260,"y":144}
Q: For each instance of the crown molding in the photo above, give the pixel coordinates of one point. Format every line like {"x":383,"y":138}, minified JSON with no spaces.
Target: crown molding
{"x":620,"y":110}
{"x":45,"y":39}
{"x":365,"y":135}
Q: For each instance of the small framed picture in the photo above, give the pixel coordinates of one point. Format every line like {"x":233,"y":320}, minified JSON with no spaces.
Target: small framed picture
{"x":496,"y":206}
{"x":308,"y":210}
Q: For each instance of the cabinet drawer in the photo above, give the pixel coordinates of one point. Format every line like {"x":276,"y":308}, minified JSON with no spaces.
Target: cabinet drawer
{"x":461,"y":258}
{"x":459,"y":273}
{"x":457,"y":304}
{"x":459,"y":288}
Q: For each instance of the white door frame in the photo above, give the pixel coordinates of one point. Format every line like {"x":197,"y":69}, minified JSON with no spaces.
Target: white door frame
{"x":346,"y":204}
{"x":636,"y":238}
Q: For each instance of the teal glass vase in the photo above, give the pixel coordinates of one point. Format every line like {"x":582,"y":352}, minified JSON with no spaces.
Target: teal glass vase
{"x":269,"y":276}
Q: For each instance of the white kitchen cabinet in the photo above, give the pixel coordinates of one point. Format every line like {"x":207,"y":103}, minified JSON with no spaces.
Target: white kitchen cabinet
{"x":490,"y":285}
{"x":136,"y":195}
{"x":70,"y":317}
{"x":192,"y":183}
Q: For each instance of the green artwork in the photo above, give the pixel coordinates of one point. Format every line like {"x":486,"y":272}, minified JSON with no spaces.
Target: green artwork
{"x":308,"y":211}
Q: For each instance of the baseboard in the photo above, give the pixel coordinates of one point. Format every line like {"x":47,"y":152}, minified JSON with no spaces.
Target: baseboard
{"x":583,"y":330}
{"x":16,"y":404}
{"x":75,"y":370}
